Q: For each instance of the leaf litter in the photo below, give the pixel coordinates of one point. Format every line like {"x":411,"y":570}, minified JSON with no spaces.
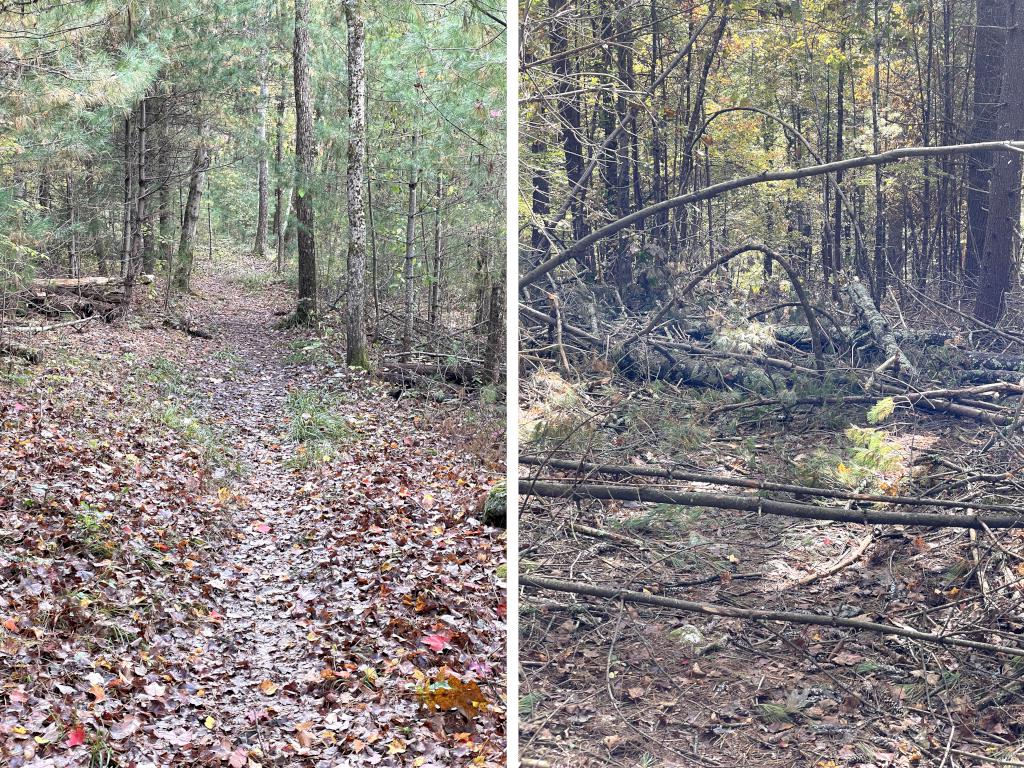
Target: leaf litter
{"x":176,"y":590}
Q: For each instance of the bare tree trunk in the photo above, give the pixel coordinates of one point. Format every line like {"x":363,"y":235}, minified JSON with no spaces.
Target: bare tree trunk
{"x":434,"y":300}
{"x":280,"y":215}
{"x":1004,"y":193}
{"x":990,"y":42}
{"x":495,"y":334}
{"x":410,"y":254}
{"x":263,"y":175}
{"x":305,"y":152}
{"x":355,"y":310}
{"x":74,"y":268}
{"x":183,"y":261}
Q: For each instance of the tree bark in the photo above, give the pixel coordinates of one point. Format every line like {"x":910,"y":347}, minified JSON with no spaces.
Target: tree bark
{"x":989,"y":45}
{"x":263,"y":174}
{"x":305,"y":152}
{"x":356,"y":353}
{"x":1004,"y":194}
{"x":410,"y":254}
{"x":182,"y":267}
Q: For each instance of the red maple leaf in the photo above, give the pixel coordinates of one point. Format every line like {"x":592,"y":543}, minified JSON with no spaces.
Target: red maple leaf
{"x":436,"y":642}
{"x":76,"y":736}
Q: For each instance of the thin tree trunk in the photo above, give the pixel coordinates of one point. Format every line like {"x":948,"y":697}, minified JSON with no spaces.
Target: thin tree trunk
{"x":410,"y":254}
{"x":263,"y":174}
{"x":280,"y":216}
{"x":305,"y":152}
{"x":356,"y":353}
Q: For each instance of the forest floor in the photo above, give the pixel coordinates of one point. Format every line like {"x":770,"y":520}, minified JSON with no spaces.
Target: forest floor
{"x":606,"y":683}
{"x":237,"y":552}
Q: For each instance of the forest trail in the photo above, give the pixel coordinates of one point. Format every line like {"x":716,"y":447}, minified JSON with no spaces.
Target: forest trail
{"x":330,"y":565}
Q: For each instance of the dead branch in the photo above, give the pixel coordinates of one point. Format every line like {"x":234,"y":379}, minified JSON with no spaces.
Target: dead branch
{"x":757,"y":614}
{"x":763,"y":505}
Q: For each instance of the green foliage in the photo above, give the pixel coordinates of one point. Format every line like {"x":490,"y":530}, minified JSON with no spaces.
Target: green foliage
{"x":312,"y":417}
{"x":881,"y":410}
{"x":528,"y":703}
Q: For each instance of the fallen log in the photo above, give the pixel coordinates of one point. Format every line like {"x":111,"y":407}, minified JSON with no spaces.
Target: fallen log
{"x":759,"y":614}
{"x":670,"y":473}
{"x":188,"y":326}
{"x":53,"y":326}
{"x":13,"y":349}
{"x":764,"y":505}
{"x":76,"y":284}
{"x":461,"y":374}
{"x":861,"y":299}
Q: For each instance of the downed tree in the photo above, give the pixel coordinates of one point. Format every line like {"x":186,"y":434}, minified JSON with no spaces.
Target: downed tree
{"x":189,"y":326}
{"x":861,"y":300}
{"x":13,"y":349}
{"x":670,"y":473}
{"x":410,"y":373}
{"x":764,"y":505}
{"x":758,"y":614}
{"x":109,"y":289}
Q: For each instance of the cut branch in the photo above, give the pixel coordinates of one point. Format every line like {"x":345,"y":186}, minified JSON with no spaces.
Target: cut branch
{"x":668,"y":473}
{"x":756,"y":614}
{"x":763,"y":505}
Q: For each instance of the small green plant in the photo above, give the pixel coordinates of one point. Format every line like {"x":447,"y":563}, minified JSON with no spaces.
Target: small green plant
{"x":647,"y":760}
{"x":215,"y":450}
{"x":785,"y":711}
{"x":661,"y":516}
{"x":312,"y":418}
{"x":310,"y":352}
{"x":528,"y":703}
{"x":92,"y":529}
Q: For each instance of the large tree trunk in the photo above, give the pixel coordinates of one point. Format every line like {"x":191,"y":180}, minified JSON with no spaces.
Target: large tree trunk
{"x":305,"y":153}
{"x":990,"y":42}
{"x":1004,"y":194}
{"x":182,"y":267}
{"x":355,"y":308}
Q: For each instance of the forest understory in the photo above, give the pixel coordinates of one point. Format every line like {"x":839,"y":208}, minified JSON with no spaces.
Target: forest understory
{"x":238,"y":551}
{"x":654,"y":482}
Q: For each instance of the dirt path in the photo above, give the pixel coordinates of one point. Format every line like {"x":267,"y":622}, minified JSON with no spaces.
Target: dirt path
{"x":332,"y":579}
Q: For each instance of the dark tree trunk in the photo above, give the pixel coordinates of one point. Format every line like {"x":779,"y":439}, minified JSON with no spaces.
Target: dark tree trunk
{"x":990,"y":41}
{"x":305,"y":152}
{"x":1004,"y":193}
{"x":182,"y":266}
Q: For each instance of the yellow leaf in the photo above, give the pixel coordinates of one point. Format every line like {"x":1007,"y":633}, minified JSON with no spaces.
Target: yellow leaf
{"x":209,"y":722}
{"x":396,"y":747}
{"x":268,"y":687}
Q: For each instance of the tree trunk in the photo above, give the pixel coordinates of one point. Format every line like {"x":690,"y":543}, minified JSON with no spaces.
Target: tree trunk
{"x":280,"y":215}
{"x":263,"y":175}
{"x":990,"y":42}
{"x":410,"y":254}
{"x":355,"y":310}
{"x":1004,"y":194}
{"x":182,"y":266}
{"x":434,"y":296}
{"x":493,"y":353}
{"x":305,"y":152}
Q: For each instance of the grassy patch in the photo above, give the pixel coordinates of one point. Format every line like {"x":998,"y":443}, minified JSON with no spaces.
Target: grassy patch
{"x":216,"y":450}
{"x":310,"y":352}
{"x":315,"y":424}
